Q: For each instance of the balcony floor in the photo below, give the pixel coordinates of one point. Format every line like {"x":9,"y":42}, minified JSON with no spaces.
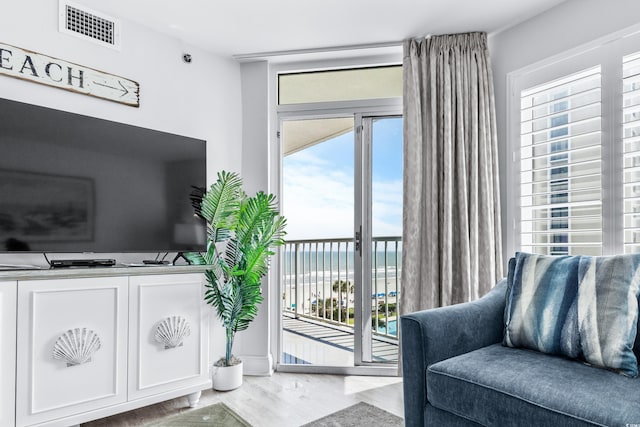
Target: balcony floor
{"x":306,"y":341}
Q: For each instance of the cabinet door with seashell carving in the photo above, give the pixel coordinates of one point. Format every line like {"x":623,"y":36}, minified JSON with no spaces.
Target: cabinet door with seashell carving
{"x":72,"y":348}
{"x":169,"y":333}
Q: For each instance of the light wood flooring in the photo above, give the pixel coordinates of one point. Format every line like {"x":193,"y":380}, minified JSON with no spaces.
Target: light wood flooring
{"x":284,"y":399}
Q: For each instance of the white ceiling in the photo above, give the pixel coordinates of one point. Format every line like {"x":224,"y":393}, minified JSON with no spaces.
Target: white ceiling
{"x":241,"y":27}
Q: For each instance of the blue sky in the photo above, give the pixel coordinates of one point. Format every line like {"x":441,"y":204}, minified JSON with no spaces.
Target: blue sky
{"x":318,"y":186}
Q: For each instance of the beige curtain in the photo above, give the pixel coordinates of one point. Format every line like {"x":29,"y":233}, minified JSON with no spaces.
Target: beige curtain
{"x":452,"y":238}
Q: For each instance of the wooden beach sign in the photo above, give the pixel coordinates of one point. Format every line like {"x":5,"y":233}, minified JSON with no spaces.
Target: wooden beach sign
{"x":26,"y":65}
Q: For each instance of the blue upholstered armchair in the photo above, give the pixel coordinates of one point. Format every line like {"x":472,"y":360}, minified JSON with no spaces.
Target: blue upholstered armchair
{"x":457,"y":373}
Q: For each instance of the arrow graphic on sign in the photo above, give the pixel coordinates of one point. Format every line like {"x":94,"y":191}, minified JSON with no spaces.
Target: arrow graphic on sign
{"x":124,"y":90}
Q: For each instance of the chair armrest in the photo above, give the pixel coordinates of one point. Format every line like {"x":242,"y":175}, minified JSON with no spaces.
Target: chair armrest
{"x":429,"y":336}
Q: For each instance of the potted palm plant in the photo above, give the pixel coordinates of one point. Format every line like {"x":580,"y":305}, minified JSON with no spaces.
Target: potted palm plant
{"x":241,"y":234}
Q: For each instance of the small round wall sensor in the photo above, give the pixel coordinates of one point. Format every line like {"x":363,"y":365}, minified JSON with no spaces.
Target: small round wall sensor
{"x":186,"y":58}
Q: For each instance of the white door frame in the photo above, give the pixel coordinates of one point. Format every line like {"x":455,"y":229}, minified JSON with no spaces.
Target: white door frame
{"x":388,"y":106}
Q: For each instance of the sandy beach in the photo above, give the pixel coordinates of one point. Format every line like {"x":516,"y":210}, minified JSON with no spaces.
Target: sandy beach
{"x":309,"y":291}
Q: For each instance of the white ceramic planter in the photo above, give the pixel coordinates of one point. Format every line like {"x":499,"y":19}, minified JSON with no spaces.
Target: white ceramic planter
{"x":224,"y":378}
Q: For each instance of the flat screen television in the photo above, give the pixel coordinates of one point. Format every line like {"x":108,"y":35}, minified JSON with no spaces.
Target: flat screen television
{"x":72,"y":183}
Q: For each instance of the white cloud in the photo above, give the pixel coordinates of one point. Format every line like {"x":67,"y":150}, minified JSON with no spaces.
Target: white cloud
{"x":318,"y":201}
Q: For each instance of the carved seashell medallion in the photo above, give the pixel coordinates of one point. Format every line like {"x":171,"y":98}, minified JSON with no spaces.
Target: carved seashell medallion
{"x":76,"y":346}
{"x":172,"y":331}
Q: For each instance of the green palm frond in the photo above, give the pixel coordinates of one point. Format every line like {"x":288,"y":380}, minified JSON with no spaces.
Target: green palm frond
{"x":195,"y":258}
{"x":233,"y":255}
{"x":259,"y":231}
{"x":251,"y":296}
{"x":220,"y":206}
{"x":213,"y":293}
{"x":256,"y":264}
{"x":256,"y":217}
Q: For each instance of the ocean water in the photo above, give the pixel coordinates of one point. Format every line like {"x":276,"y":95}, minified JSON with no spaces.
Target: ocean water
{"x":309,"y":262}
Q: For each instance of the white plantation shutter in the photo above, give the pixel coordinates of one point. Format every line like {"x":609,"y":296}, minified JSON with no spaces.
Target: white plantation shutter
{"x":631,"y":142}
{"x":560,"y":166}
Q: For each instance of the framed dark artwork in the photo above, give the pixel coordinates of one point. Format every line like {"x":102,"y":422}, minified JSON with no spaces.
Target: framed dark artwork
{"x":44,"y":208}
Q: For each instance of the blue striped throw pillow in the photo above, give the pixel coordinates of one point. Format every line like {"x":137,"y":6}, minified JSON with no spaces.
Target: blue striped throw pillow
{"x":581,"y":307}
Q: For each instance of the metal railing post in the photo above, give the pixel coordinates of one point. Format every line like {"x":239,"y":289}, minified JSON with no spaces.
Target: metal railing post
{"x":295,"y":282}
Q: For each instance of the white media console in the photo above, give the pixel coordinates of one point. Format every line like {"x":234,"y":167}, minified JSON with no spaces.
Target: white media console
{"x":82,"y":344}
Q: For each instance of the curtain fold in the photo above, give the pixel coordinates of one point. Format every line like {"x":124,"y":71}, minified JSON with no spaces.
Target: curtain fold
{"x":452,"y":250}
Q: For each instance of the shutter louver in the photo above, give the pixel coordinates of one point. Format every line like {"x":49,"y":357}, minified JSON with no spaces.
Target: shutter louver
{"x":631,"y":142}
{"x":560,"y":166}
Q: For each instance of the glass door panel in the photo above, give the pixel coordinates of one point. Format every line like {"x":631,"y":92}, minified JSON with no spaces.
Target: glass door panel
{"x":384,"y":137}
{"x":319,"y":283}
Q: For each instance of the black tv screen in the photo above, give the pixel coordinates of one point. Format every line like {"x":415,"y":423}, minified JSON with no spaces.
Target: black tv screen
{"x":73,"y":183}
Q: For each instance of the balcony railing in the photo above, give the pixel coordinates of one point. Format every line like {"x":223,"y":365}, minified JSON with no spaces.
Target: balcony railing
{"x":319,"y":282}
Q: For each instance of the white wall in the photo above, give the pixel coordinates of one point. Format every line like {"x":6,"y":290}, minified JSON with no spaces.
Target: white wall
{"x":255,"y":125}
{"x":200,"y":100}
{"x":567,"y":26}
{"x":253,"y":345}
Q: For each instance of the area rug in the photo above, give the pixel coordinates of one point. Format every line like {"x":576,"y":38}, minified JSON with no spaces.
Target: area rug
{"x":216,"y":415}
{"x":360,"y":414}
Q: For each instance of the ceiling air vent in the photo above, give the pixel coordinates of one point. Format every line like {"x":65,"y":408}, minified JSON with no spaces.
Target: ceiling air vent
{"x":77,"y":20}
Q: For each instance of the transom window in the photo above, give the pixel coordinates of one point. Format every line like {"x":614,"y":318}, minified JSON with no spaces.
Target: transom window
{"x":340,"y":85}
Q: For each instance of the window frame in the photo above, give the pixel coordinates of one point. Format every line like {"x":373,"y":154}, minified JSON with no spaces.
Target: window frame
{"x":607,"y":52}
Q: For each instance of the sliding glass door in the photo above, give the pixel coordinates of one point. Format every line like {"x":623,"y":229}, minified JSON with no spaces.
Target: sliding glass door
{"x":342,"y":196}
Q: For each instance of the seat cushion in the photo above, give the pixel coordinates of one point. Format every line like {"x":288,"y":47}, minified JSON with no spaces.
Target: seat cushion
{"x":437,"y":417}
{"x":498,"y":385}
